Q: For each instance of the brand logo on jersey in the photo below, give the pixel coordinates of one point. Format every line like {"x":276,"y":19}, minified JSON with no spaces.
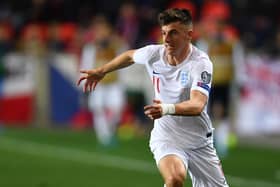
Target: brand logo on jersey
{"x":156,"y":81}
{"x":205,"y":77}
{"x":155,"y":73}
{"x":184,"y":78}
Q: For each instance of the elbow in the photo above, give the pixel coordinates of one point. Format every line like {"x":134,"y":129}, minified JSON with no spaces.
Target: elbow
{"x":198,"y":109}
{"x":197,"y":112}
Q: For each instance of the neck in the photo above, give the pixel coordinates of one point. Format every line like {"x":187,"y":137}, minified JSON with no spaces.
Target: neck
{"x":179,"y":57}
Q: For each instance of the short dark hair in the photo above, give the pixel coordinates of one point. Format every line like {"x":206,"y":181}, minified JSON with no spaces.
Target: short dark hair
{"x":173,"y":15}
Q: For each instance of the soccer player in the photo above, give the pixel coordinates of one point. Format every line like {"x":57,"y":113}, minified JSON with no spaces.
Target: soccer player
{"x":182,"y":137}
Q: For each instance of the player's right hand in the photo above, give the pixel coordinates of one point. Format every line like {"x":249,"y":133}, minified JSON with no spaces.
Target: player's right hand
{"x":153,"y":111}
{"x":92,"y":77}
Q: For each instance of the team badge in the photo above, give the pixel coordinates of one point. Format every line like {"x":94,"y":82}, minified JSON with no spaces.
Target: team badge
{"x":205,"y":77}
{"x":184,"y":78}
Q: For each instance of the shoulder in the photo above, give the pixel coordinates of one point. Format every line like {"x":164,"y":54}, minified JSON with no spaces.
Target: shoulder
{"x":150,"y":51}
{"x":152,"y":48}
{"x":201,"y":60}
{"x":148,"y":54}
{"x":200,"y":56}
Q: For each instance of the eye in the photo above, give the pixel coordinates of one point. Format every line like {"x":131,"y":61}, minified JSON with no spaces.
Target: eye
{"x":173,"y":32}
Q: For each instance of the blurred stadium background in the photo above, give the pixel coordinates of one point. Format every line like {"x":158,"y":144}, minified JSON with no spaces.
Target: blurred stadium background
{"x":46,"y":134}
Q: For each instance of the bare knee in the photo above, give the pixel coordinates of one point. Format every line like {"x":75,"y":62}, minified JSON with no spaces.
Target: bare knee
{"x":175,"y":179}
{"x":173,"y":170}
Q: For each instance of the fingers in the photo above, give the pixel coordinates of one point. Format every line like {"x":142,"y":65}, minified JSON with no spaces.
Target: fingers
{"x":84,"y":71}
{"x":89,"y":86}
{"x":83,"y":77}
{"x":157,"y":101}
{"x":92,"y":86}
{"x":86,"y":86}
{"x":152,"y":111}
{"x":147,"y":107}
{"x":157,"y":116}
{"x":154,"y":116}
{"x":153,"y":106}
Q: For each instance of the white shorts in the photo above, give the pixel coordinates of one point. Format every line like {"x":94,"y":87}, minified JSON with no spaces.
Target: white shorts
{"x":203,"y":164}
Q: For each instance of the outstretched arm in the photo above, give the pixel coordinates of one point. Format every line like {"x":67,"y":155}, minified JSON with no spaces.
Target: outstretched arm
{"x":93,"y":76}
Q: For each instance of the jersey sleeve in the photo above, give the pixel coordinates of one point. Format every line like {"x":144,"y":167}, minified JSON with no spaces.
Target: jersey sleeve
{"x":144,"y":54}
{"x":202,"y":76}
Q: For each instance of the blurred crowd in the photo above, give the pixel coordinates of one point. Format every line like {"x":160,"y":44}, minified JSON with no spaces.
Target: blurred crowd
{"x":65,"y":25}
{"x":226,"y":29}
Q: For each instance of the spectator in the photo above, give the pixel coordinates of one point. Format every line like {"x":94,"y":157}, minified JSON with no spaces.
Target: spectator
{"x":128,"y":23}
{"x":107,"y":101}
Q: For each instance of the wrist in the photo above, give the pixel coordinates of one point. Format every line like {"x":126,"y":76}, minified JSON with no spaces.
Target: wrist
{"x":167,"y":109}
{"x":102,"y":70}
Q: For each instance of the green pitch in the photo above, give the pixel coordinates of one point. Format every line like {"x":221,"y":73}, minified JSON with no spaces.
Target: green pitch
{"x":64,"y":158}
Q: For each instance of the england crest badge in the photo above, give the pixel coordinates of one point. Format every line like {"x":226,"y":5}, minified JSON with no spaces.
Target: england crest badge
{"x":184,"y":78}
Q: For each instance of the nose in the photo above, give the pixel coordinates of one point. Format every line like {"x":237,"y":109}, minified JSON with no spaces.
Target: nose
{"x":166,"y":38}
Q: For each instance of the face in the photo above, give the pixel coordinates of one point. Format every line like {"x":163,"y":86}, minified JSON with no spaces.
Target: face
{"x":102,"y":31}
{"x":176,"y":37}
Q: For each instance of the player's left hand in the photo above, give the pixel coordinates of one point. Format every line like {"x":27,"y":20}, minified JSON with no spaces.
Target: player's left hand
{"x":153,"y":111}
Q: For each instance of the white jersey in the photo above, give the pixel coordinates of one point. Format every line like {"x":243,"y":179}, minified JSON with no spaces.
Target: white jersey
{"x":173,"y":84}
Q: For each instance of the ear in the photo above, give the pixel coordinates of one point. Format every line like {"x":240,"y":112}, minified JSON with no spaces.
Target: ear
{"x":190,"y":34}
